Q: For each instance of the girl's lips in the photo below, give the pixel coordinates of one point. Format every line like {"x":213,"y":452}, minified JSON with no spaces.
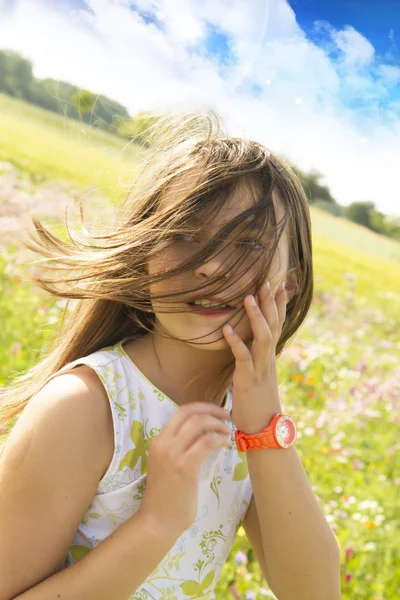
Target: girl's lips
{"x":209,"y":312}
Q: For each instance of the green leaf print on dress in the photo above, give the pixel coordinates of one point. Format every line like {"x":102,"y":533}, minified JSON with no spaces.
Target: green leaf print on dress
{"x":78,"y":552}
{"x":194,"y":589}
{"x":191,"y":588}
{"x":213,"y":486}
{"x":141,"y":449}
{"x":241,"y":469}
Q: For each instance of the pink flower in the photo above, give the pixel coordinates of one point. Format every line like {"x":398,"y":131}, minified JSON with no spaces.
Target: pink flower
{"x":349,"y":552}
{"x":15,"y":350}
{"x":348,"y":577}
{"x":357,"y":464}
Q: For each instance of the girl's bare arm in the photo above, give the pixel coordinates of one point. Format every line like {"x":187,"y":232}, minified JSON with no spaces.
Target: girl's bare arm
{"x":50,"y":468}
{"x":114,"y":569}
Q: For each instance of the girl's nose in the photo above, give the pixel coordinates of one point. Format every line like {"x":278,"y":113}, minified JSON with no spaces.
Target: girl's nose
{"x":214,"y":266}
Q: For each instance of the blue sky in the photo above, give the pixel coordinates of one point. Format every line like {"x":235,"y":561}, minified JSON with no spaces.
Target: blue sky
{"x":317,"y":81}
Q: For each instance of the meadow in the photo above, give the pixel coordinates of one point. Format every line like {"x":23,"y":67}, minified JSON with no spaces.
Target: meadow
{"x":340,"y":375}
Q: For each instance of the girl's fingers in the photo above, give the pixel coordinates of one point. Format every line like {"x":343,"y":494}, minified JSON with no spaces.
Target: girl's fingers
{"x":259,"y":323}
{"x":281,"y":305}
{"x":238,"y":347}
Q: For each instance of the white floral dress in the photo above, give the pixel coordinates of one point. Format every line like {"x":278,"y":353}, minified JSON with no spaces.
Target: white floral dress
{"x":192,"y":567}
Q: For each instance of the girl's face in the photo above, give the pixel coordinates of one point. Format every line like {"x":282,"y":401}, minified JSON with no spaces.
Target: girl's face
{"x":205,"y":332}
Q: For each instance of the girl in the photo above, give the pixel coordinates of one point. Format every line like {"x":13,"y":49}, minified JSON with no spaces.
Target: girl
{"x":121,"y":478}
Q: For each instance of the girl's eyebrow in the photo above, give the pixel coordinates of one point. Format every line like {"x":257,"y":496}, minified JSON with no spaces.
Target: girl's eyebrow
{"x":250,"y":224}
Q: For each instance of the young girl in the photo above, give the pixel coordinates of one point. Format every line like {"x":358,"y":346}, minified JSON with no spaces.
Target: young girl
{"x":121,"y":478}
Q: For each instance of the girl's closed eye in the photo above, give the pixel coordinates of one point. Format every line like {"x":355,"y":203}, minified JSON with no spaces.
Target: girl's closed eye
{"x":242,"y":243}
{"x":257,"y":244}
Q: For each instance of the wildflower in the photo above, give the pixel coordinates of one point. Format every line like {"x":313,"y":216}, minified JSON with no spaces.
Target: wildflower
{"x":297,"y":377}
{"x":357,"y":464}
{"x":348,"y":553}
{"x":371,"y":524}
{"x":369,"y":546}
{"x":241,"y":558}
{"x":368,"y":504}
{"x":350,"y":499}
{"x":234,"y":592}
{"x":348,"y":577}
{"x":16,"y":348}
{"x":250,"y":595}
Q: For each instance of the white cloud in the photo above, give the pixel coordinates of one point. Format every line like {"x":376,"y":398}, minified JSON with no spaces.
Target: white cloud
{"x":390,"y":75}
{"x":356,"y":49}
{"x":281,"y":88}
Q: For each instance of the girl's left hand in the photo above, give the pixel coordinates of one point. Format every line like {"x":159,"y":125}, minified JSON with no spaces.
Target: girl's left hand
{"x":255,"y":396}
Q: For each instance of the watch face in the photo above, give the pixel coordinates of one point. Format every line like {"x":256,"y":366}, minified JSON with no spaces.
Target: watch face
{"x":286,"y":432}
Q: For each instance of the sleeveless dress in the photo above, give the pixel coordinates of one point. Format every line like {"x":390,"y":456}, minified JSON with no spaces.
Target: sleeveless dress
{"x":192,"y":567}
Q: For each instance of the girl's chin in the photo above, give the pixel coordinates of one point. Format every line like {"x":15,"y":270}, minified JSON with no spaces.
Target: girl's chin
{"x":215,"y":340}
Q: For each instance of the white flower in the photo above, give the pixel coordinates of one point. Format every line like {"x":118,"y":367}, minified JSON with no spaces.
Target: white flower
{"x":330,"y":518}
{"x":368,"y":504}
{"x":369,"y":546}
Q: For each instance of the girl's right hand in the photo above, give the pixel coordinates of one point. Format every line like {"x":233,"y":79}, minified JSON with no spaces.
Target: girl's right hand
{"x":175,"y":457}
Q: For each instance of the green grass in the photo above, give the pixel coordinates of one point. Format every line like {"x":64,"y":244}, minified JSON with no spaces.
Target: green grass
{"x":351,"y":235}
{"x":56,"y":147}
{"x":340,"y":375}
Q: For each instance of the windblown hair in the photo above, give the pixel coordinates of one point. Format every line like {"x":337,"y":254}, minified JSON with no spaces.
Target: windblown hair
{"x":108,"y":274}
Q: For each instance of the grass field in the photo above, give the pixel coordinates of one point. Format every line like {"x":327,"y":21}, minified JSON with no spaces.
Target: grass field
{"x":48,"y":145}
{"x":341,"y":374}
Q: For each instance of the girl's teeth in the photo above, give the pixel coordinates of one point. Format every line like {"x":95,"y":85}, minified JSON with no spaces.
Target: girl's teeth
{"x":210,"y":305}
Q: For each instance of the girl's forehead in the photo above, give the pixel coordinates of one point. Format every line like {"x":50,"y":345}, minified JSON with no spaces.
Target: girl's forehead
{"x":244,"y":195}
{"x":235,"y":206}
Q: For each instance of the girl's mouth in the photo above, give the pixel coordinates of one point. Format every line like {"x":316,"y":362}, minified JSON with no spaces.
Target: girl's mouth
{"x":213,"y":311}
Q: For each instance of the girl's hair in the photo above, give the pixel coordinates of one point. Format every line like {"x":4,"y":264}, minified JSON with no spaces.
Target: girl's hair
{"x":108,"y":276}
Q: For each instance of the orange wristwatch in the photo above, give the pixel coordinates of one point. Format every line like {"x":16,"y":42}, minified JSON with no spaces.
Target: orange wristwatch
{"x":280,"y":433}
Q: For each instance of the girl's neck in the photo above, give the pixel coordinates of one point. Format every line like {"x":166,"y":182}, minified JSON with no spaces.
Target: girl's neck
{"x":183,"y":373}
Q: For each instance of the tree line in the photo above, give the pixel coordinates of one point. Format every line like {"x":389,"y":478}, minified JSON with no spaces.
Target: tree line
{"x":17,"y":79}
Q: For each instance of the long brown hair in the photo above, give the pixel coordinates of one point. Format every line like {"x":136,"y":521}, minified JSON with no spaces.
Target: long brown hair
{"x":107,"y":275}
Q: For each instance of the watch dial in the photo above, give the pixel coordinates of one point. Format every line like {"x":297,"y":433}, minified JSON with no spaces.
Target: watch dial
{"x":285,"y":431}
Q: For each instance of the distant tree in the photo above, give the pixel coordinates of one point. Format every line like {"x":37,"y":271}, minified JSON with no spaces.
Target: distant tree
{"x":331,"y":207}
{"x":83,"y":101}
{"x":313,"y":188}
{"x":361,"y":212}
{"x":54,"y":95}
{"x":393,"y":227}
{"x":137,"y":129}
{"x":15,"y":74}
{"x":16,"y":79}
